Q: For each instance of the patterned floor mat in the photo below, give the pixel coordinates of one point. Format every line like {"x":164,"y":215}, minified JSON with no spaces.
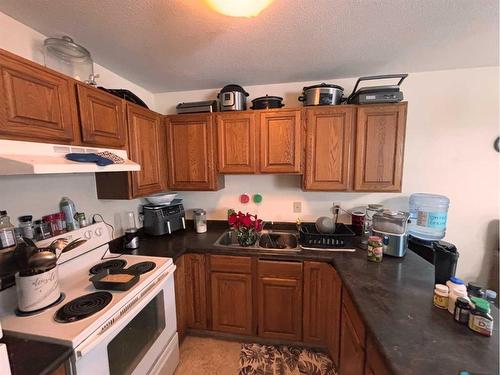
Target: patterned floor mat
{"x":256,"y":359}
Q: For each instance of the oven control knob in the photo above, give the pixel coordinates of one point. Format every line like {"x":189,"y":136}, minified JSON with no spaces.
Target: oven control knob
{"x":88,"y":234}
{"x":98,"y":232}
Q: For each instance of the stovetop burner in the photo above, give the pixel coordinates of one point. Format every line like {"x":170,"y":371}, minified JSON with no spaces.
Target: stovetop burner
{"x":83,"y":307}
{"x":142,"y":267}
{"x":109,"y":264}
{"x":35,"y":312}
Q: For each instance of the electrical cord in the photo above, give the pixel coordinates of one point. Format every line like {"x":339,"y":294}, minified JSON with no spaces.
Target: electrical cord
{"x":112,"y":236}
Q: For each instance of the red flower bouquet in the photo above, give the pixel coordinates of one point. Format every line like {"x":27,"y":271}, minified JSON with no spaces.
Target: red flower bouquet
{"x":246,"y":226}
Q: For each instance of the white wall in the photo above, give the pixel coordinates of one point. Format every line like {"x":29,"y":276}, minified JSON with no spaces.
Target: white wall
{"x":40,"y":195}
{"x":453,"y":119}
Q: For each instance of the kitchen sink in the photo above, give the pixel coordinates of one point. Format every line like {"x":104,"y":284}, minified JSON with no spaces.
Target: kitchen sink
{"x":269,"y":240}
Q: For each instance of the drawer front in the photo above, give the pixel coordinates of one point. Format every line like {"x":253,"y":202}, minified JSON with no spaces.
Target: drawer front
{"x":230,"y":264}
{"x":280,"y":269}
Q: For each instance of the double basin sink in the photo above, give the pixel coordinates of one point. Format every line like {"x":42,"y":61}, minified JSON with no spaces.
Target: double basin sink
{"x":282,"y":241}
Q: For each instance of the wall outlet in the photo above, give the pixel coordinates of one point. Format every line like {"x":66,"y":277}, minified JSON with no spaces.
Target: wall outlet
{"x":297,"y":207}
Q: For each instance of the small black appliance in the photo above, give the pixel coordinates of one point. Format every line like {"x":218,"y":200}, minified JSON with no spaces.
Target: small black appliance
{"x":377,"y":94}
{"x":164,"y":219}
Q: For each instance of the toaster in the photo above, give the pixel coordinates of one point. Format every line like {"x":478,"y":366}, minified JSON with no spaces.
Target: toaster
{"x":164,"y":219}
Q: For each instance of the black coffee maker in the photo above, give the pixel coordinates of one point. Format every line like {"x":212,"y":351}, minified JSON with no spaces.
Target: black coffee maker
{"x":442,"y":254}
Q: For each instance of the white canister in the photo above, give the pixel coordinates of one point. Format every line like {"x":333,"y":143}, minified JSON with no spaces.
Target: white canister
{"x":37,"y":291}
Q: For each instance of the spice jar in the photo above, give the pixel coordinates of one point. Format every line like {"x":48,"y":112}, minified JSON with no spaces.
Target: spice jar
{"x":474,"y":290}
{"x":375,"y":249}
{"x":7,"y":233}
{"x":41,"y":230}
{"x":56,"y":223}
{"x":441,"y":296}
{"x":26,"y":225}
{"x":480,"y":319}
{"x":462,"y":310}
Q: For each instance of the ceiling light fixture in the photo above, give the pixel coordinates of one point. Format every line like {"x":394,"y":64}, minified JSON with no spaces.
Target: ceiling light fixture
{"x":239,"y":8}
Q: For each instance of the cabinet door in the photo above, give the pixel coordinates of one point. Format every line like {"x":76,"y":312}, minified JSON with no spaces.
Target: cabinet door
{"x":232,"y":302}
{"x":102,"y":118}
{"x":196,"y":292}
{"x":280,"y":141}
{"x":36,"y":104}
{"x":191,"y":150}
{"x":147,"y":146}
{"x":329,"y":148}
{"x":352,"y":354}
{"x":316,"y":294}
{"x":180,"y":296}
{"x":380,"y":147}
{"x":375,"y":364}
{"x":334,"y":301}
{"x":279,"y":291}
{"x":236,"y":142}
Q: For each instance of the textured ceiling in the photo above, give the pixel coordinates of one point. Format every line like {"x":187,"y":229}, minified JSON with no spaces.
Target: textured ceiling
{"x":172,"y":45}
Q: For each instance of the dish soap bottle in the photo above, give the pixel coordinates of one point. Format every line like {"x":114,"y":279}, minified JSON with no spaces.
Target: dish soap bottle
{"x":68,"y":208}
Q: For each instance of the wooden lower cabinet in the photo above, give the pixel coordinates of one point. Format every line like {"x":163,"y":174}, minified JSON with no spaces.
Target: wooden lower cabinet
{"x":375,"y":363}
{"x":279,"y":300}
{"x":196,"y":282}
{"x":231,"y":303}
{"x":352,"y":339}
{"x":316,"y":295}
{"x":180,"y":297}
{"x":334,"y":312}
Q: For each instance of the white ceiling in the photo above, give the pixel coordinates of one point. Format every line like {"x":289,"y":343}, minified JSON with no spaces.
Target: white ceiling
{"x":173,"y":45}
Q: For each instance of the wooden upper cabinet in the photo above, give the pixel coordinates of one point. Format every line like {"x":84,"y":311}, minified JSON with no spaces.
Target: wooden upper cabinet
{"x":380,"y":147}
{"x":281,"y":141}
{"x":329,"y":148}
{"x":147,"y":146}
{"x":36,"y":104}
{"x":279,"y":295}
{"x":102,"y":117}
{"x":237,"y":142}
{"x":191,"y":153}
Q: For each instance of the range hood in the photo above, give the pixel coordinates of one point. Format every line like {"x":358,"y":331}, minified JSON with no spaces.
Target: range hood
{"x":18,"y":157}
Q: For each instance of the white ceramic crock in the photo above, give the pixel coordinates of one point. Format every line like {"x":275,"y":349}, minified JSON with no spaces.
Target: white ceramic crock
{"x":37,"y":291}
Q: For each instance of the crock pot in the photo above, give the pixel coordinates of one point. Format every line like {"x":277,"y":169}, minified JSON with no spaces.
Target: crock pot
{"x":267,"y":102}
{"x":322,"y":94}
{"x":232,"y":98}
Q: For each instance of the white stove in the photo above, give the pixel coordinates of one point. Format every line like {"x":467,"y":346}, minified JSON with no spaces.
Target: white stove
{"x":134,"y":332}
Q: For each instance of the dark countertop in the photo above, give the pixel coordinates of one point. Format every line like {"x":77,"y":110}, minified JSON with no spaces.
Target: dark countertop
{"x":32,"y":357}
{"x":393,"y":297}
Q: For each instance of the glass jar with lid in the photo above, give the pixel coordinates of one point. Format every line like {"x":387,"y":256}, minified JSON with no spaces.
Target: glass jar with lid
{"x":7,"y":233}
{"x":67,"y":57}
{"x":390,"y":222}
{"x":26,"y":225}
{"x":200,"y":220}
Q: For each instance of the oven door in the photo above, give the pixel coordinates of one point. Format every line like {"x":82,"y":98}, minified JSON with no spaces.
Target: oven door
{"x":140,"y":342}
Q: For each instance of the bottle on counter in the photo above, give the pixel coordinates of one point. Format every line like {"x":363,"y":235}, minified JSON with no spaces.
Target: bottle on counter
{"x":474,"y":290}
{"x":462,"y":311}
{"x":375,"y":249}
{"x":480,"y":319}
{"x":441,"y":295}
{"x":7,"y":232}
{"x":26,"y":225}
{"x":41,"y":230}
{"x":82,"y":220}
{"x":68,"y":208}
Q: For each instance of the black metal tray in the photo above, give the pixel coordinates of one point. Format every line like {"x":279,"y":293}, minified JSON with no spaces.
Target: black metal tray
{"x":114,"y":285}
{"x":310,"y":237}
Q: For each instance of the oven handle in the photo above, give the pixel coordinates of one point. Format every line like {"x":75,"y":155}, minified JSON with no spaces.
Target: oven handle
{"x":98,"y":337}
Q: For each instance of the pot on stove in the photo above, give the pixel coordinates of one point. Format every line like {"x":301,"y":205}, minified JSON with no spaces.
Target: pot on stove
{"x":35,"y":292}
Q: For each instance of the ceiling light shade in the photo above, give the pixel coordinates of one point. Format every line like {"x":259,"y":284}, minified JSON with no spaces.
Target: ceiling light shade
{"x":239,"y":8}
